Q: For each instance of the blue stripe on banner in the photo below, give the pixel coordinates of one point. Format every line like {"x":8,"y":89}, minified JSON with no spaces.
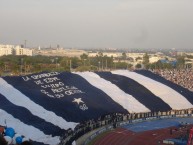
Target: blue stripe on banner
{"x":26,"y":117}
{"x":181,"y":90}
{"x":119,"y":96}
{"x":164,"y":92}
{"x":38,"y":143}
{"x":67,"y":95}
{"x":96,"y":100}
{"x":142,"y":94}
{"x":19,"y":99}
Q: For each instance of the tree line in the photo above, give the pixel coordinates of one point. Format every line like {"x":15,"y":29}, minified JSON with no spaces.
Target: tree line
{"x":17,"y":65}
{"x":20,"y":65}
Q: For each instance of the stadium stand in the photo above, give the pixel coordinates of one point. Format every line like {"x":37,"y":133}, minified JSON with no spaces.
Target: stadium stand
{"x":182,"y":77}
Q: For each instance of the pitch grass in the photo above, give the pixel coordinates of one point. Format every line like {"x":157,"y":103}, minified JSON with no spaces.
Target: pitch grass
{"x":92,"y":142}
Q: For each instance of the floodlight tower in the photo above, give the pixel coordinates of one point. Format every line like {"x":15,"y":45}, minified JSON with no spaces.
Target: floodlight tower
{"x":25,"y":43}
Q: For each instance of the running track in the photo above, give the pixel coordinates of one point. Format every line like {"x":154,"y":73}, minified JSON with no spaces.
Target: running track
{"x":124,"y":136}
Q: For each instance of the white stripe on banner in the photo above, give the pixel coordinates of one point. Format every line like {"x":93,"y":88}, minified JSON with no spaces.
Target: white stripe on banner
{"x":29,"y":131}
{"x":127,"y":101}
{"x":19,"y":99}
{"x":167,"y":94}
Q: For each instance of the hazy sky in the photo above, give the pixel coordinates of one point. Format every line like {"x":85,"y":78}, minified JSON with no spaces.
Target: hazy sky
{"x":98,"y":23}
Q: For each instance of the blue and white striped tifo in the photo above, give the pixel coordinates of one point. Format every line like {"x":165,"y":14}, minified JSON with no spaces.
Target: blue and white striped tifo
{"x":43,"y":106}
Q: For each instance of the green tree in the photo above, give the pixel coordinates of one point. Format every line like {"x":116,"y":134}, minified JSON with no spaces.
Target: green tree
{"x":124,"y":56}
{"x":138,"y":58}
{"x":138,"y":65}
{"x":146,"y":60}
{"x":180,"y":61}
{"x":83,"y":68}
{"x":121,"y":65}
{"x":84,"y":56}
{"x":75,"y":62}
{"x":100,"y":54}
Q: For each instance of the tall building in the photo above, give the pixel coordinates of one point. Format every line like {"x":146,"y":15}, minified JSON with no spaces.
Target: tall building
{"x":23,"y":51}
{"x":6,"y":50}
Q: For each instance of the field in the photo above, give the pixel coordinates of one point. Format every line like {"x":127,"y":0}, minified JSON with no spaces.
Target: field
{"x":146,"y":133}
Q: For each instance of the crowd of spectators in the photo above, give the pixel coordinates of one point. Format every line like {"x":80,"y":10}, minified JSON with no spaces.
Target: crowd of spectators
{"x":8,"y":136}
{"x":113,"y":119}
{"x":87,"y":126}
{"x":182,"y":77}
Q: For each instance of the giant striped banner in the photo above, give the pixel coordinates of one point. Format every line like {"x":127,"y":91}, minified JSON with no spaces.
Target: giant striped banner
{"x":43,"y":106}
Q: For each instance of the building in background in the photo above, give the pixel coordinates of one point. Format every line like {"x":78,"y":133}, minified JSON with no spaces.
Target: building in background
{"x":6,"y":50}
{"x":14,"y":50}
{"x":23,"y":51}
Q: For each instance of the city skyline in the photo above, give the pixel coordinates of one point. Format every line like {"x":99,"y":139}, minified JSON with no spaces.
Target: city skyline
{"x":94,"y":24}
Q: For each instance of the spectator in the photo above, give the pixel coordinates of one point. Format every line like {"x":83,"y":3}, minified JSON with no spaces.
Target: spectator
{"x":1,"y":130}
{"x":2,"y":141}
{"x":182,"y":77}
{"x":26,"y":143}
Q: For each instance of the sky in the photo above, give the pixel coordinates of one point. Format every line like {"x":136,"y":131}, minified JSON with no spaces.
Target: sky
{"x":97,"y":23}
